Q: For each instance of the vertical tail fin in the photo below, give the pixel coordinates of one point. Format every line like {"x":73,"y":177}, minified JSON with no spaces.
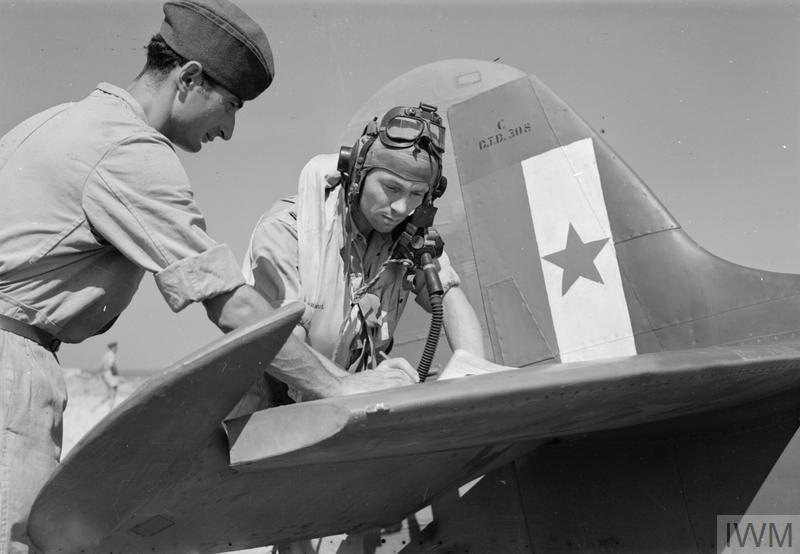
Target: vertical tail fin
{"x":565,"y":249}
{"x":602,"y":267}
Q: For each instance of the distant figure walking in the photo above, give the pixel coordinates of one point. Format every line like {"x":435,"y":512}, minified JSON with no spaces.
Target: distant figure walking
{"x":109,"y":374}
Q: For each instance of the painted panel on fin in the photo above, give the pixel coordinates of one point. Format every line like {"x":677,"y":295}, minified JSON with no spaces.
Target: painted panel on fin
{"x":517,"y":338}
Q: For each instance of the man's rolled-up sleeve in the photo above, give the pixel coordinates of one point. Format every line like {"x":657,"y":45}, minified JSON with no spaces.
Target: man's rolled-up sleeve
{"x":139,"y":200}
{"x":199,"y":277}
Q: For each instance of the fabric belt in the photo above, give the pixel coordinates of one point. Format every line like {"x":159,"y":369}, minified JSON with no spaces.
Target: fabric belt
{"x":30,"y":332}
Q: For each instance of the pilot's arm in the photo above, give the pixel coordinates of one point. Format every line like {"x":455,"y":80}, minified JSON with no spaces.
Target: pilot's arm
{"x":273,"y":263}
{"x":461,"y":325}
{"x":296,"y":364}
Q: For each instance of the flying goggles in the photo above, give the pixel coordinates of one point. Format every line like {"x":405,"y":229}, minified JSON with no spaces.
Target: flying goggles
{"x":404,"y":127}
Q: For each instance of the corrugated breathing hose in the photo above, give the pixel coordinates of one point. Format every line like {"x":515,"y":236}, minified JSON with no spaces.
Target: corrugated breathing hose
{"x":435,"y":294}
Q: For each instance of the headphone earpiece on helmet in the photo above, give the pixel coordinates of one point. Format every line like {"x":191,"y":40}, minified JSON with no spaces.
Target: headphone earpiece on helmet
{"x":346,"y":160}
{"x":351,"y":160}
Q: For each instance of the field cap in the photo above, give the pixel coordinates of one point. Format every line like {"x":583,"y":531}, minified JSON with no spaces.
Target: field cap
{"x":231,"y":46}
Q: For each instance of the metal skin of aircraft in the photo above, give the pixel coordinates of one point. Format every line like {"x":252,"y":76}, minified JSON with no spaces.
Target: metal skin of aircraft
{"x":643,"y":386}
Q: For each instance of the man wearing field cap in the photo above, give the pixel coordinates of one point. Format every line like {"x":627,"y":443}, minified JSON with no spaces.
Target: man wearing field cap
{"x":92,"y":196}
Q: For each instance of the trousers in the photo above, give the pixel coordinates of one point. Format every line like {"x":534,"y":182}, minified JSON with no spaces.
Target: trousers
{"x":33,"y":396}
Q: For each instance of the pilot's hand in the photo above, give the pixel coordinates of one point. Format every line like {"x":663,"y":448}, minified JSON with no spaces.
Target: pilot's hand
{"x":390,"y":373}
{"x":394,"y":364}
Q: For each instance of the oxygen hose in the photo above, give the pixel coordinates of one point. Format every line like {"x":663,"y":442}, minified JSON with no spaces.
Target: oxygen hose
{"x":435,"y":294}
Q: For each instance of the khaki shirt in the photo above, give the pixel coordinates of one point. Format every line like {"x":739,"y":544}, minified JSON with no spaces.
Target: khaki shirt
{"x":91,"y":197}
{"x":274,"y":264}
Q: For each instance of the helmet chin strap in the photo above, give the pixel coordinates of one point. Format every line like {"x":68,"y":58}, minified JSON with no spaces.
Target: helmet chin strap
{"x":353,"y":209}
{"x":361,"y":150}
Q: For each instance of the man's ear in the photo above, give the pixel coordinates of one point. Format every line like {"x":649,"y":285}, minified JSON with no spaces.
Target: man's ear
{"x":190,"y":74}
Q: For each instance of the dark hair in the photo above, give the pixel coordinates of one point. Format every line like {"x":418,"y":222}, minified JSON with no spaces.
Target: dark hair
{"x":161,"y":59}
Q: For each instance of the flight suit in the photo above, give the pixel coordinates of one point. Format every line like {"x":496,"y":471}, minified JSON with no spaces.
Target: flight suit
{"x":362,"y":320}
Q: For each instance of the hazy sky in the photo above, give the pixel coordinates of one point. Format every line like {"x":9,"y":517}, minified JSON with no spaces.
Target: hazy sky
{"x":700,"y":98}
